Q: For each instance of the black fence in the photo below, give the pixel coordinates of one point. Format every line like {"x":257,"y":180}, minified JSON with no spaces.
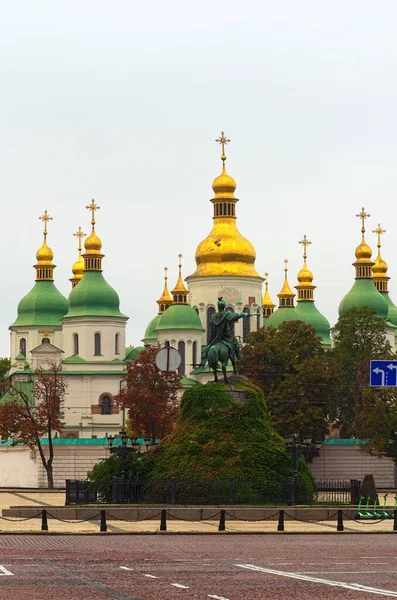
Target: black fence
{"x":216,"y":491}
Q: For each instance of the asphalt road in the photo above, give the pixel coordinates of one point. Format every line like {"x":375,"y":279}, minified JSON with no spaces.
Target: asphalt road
{"x":198,"y":567}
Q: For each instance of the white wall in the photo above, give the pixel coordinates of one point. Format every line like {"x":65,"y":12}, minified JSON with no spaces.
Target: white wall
{"x":17,"y":469}
{"x":86,"y":328}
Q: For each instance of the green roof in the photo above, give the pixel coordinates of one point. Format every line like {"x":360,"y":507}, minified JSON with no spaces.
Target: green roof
{"x":132,"y":353}
{"x":179,"y":316}
{"x":364,"y":293}
{"x":150,"y":335}
{"x":43,"y":306}
{"x":76,"y":442}
{"x":392,"y":312}
{"x":285,"y":313}
{"x":307,"y":312}
{"x":94,"y":297}
{"x":25,"y":387}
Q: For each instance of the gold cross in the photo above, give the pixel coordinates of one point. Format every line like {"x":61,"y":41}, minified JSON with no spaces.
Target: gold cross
{"x":286,"y":267}
{"x":266,"y":276}
{"x":222,"y":140}
{"x":363,"y":215}
{"x":45,"y":218}
{"x":165,"y":274}
{"x":180,"y":260}
{"x":93,"y":207}
{"x":379,"y":231}
{"x":305,"y":243}
{"x":79,"y":234}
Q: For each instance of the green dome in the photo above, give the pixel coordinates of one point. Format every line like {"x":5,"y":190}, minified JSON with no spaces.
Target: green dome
{"x":43,"y":306}
{"x":286,"y":313}
{"x":94,"y":297}
{"x":150,"y":335}
{"x":364,"y":293}
{"x":179,"y":316}
{"x":392,"y":313}
{"x":307,"y":312}
{"x":132,"y":353}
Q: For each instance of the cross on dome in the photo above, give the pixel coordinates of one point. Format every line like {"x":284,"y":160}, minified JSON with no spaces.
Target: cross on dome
{"x":45,"y":218}
{"x":379,"y":231}
{"x":363,"y":215}
{"x":80,"y":235}
{"x":222,"y":140}
{"x":305,"y":243}
{"x":93,"y":207}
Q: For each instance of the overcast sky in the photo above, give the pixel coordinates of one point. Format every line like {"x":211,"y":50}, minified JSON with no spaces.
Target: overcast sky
{"x":121,"y":101}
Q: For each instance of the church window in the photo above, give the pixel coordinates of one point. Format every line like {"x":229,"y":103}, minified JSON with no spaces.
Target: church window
{"x":224,"y":209}
{"x":117,"y":343}
{"x":22,"y":346}
{"x":258,"y":318}
{"x":106,"y":405}
{"x":45,"y":340}
{"x":97,"y":344}
{"x":288,"y":302}
{"x":166,"y":344}
{"x":194,"y":354}
{"x":75,"y":344}
{"x":210,"y":312}
{"x":246,"y":325}
{"x":196,"y":309}
{"x":230,"y":309}
{"x":181,"y":350}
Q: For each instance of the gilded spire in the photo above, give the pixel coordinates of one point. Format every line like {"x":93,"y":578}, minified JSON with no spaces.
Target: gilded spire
{"x":93,"y":244}
{"x":305,"y":286}
{"x":44,"y":255}
{"x":380,"y":266}
{"x":363,"y":252}
{"x":267,"y":304}
{"x":180,"y":292}
{"x":223,"y":141}
{"x":286,"y":295}
{"x":78,"y":267}
{"x":224,"y":186}
{"x":165,"y":300}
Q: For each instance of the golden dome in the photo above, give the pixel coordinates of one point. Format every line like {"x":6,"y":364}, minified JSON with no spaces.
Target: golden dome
{"x":286,"y":291}
{"x":93,"y":244}
{"x":165,"y":299}
{"x":225,"y":251}
{"x":267,"y":302}
{"x":78,"y":268}
{"x":363,"y":251}
{"x":224,"y":186}
{"x":44,"y":255}
{"x":380,"y":266}
{"x":180,"y":292}
{"x":305,"y":275}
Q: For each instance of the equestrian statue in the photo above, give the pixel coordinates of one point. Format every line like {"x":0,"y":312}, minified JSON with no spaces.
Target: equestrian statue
{"x":223,"y":346}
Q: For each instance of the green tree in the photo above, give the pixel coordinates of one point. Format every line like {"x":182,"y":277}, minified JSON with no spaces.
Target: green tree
{"x":359,"y":336}
{"x":297,"y":377}
{"x":5,"y":364}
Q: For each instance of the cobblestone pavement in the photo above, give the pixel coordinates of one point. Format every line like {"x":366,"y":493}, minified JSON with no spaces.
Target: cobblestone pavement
{"x":196,"y":567}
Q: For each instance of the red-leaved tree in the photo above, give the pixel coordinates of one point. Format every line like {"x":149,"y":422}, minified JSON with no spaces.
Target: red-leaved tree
{"x":30,"y":411}
{"x":150,"y":397}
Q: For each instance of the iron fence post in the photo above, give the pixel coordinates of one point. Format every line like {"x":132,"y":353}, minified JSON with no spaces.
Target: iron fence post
{"x":340,"y":526}
{"x":222,"y":520}
{"x":280,"y":526}
{"x":163,"y":520}
{"x":44,"y":523}
{"x":103,"y":521}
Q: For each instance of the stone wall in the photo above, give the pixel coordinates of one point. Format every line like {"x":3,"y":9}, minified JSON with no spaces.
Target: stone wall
{"x":349,"y":461}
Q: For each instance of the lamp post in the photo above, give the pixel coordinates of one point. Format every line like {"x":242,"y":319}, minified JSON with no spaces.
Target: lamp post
{"x":123,"y":450}
{"x":299,"y":447}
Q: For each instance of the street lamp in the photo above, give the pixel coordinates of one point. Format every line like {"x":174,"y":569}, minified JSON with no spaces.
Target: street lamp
{"x":297,"y":448}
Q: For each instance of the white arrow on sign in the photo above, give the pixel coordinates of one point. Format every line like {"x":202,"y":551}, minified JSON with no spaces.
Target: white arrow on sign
{"x":383,"y":374}
{"x":393,"y":368}
{"x":4,"y":571}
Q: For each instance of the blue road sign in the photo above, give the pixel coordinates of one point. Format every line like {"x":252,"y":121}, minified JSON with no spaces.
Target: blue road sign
{"x":383,"y":373}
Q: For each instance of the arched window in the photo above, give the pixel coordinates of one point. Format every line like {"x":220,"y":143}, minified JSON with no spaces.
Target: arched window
{"x":117,"y":343}
{"x":258,"y":318}
{"x":181,"y":350}
{"x":230,"y":309}
{"x":196,"y":309}
{"x":194,"y":354}
{"x":97,"y":344}
{"x":246,"y":324}
{"x":210,"y":312}
{"x":106,"y":405}
{"x":166,"y":344}
{"x":75,"y":344}
{"x":45,"y":340}
{"x":22,"y":346}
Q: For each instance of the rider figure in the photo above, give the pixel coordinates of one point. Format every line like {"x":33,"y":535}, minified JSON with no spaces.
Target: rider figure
{"x":221,"y":328}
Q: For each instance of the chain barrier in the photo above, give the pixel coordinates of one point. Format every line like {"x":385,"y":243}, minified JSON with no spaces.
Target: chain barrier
{"x":74,"y":521}
{"x":113,"y":517}
{"x":19,"y":520}
{"x":192,"y":520}
{"x":365,"y":522}
{"x":252,"y":520}
{"x":311,"y":520}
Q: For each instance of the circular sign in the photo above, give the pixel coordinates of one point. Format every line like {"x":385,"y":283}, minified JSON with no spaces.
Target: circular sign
{"x":168,"y":359}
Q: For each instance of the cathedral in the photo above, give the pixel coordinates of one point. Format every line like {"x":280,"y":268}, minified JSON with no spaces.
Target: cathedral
{"x":86,"y":331}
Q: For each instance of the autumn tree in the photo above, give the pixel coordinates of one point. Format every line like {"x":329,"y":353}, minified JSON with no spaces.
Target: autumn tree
{"x":359,"y":336}
{"x":150,"y":396}
{"x":297,"y":377}
{"x":31,"y":411}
